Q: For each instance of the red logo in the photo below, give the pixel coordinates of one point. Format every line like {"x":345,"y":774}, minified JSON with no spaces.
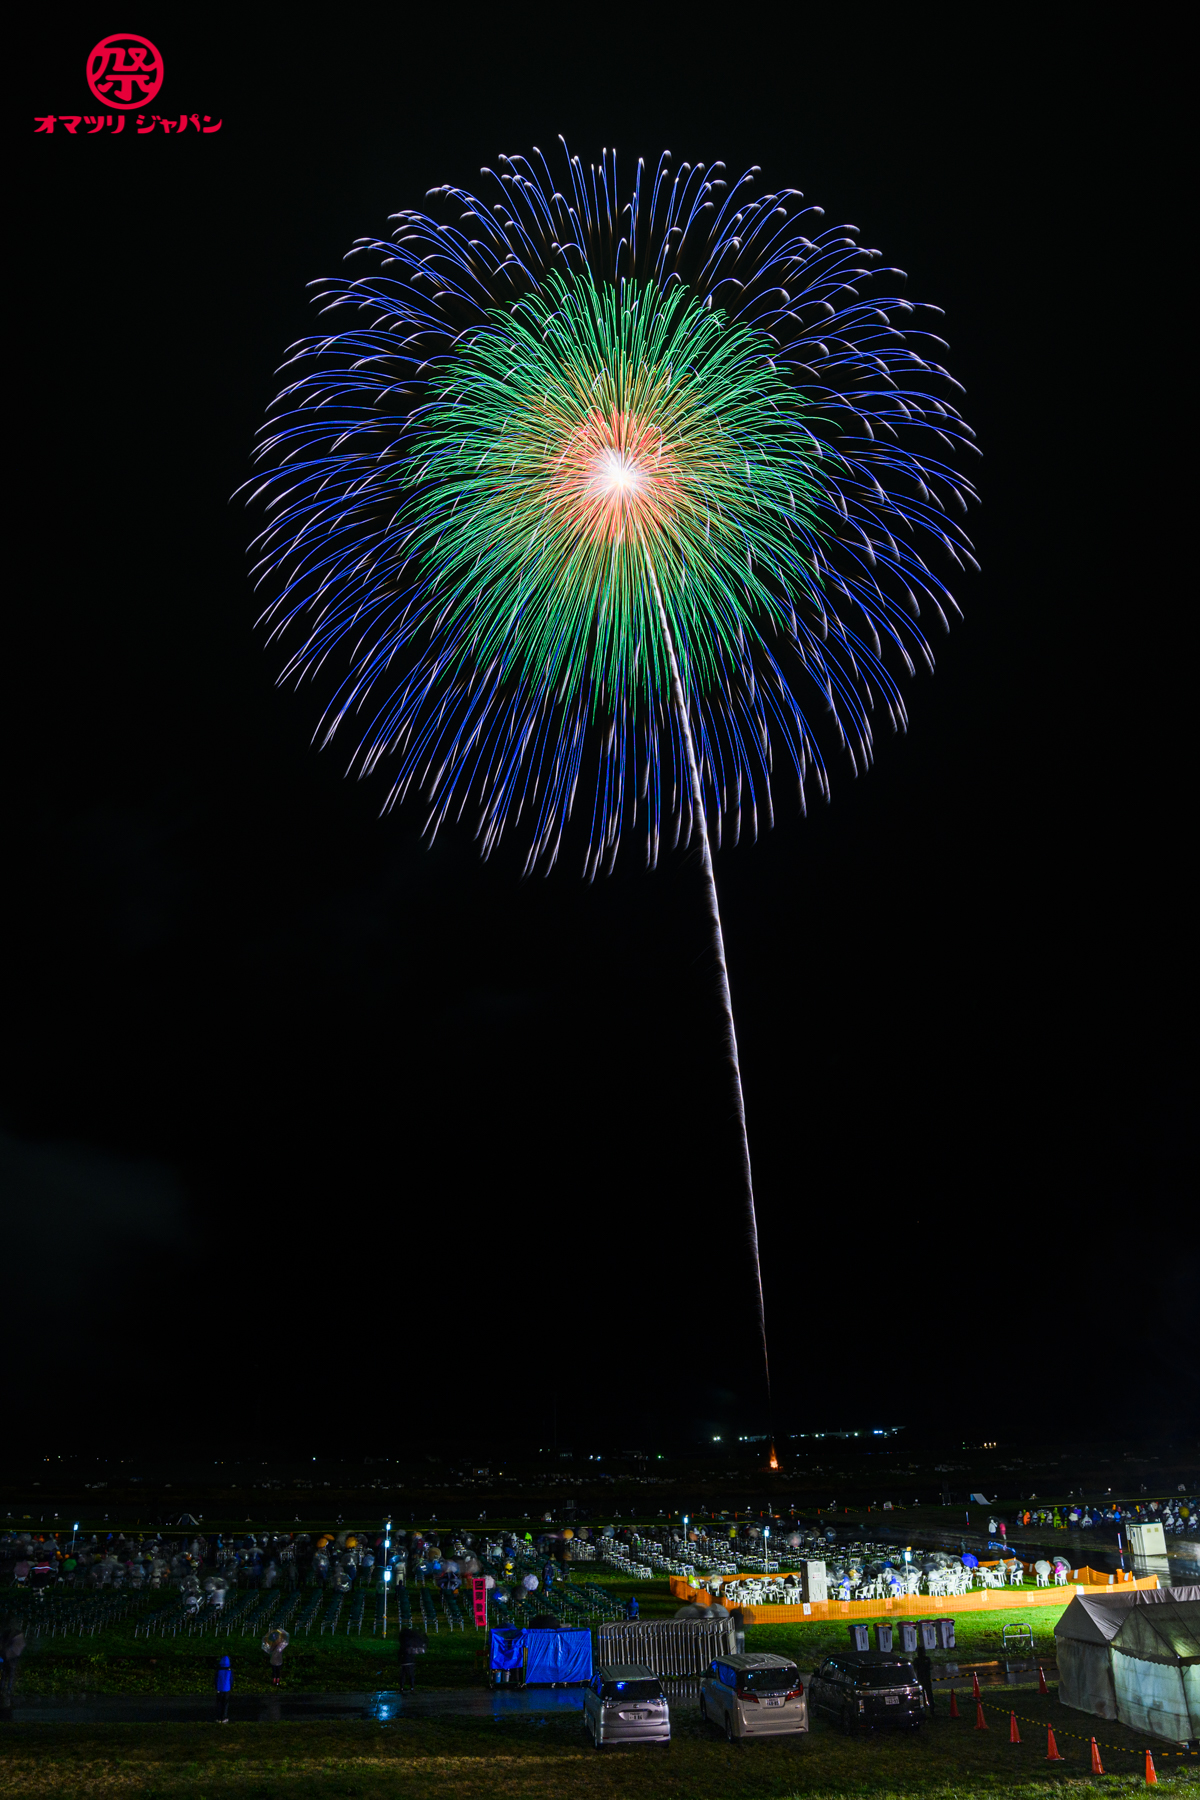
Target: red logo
{"x":125,"y":70}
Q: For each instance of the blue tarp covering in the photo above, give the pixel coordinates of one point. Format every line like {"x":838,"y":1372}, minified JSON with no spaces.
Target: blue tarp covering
{"x":558,"y":1655}
{"x":506,"y":1647}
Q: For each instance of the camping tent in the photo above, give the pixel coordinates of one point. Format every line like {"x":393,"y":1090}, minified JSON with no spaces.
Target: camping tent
{"x":1134,"y":1657}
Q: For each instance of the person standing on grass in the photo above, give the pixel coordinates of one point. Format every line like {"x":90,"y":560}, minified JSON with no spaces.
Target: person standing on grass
{"x":275,"y":1643}
{"x":224,"y":1689}
{"x":409,"y":1645}
{"x":12,"y":1642}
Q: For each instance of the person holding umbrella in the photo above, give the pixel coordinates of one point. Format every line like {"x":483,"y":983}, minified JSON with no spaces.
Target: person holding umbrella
{"x":409,"y":1645}
{"x":275,"y":1643}
{"x":12,"y":1643}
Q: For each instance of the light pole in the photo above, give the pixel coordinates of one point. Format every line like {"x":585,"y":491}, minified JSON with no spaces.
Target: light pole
{"x":766,"y":1549}
{"x":387,"y":1568}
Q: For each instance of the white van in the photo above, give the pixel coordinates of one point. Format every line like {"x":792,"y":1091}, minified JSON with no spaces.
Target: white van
{"x":753,"y":1697}
{"x":625,"y":1704}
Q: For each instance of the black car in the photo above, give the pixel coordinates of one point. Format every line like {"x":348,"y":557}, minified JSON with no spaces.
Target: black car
{"x":865,"y":1688}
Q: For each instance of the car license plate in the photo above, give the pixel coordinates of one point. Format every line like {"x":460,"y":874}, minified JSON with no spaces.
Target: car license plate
{"x":891,"y":1699}
{"x":772,"y":1702}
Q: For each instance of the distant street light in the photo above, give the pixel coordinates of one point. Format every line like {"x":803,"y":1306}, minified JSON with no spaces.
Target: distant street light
{"x":387,"y":1568}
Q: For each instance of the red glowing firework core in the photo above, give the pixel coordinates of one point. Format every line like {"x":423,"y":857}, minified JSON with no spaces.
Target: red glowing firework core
{"x":615,"y":473}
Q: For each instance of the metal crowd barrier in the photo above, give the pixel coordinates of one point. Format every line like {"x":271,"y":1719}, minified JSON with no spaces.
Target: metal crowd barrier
{"x":668,"y":1646}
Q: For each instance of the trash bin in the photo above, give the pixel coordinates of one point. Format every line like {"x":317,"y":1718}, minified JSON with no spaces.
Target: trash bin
{"x":883,"y":1638}
{"x":929,"y":1633}
{"x":860,"y":1637}
{"x":908,"y":1637}
{"x":946,"y":1633}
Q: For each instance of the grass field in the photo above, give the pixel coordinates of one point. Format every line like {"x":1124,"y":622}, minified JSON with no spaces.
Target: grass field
{"x":459,"y":1758}
{"x":117,"y":1662}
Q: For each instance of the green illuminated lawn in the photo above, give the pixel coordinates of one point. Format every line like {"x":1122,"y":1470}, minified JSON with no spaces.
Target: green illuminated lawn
{"x":977,"y":1636}
{"x":462,"y":1759}
{"x":117,"y":1662}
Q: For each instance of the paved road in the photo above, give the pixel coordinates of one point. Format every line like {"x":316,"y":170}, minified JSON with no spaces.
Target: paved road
{"x":383,"y":1704}
{"x":476,"y":1703}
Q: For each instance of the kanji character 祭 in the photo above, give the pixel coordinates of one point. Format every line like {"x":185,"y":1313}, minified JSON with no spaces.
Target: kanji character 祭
{"x":125,"y":70}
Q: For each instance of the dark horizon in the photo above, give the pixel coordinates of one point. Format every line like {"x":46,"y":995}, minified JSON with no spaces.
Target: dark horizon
{"x":311,"y":1128}
{"x":481,"y":1477}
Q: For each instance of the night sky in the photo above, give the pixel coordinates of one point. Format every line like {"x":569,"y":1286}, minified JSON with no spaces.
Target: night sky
{"x":316,"y":1134}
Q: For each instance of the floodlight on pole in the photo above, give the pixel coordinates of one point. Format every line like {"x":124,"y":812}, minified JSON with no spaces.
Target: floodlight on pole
{"x":387,"y":1567}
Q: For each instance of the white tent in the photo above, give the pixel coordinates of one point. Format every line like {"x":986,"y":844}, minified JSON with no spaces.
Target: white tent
{"x":1134,"y":1657}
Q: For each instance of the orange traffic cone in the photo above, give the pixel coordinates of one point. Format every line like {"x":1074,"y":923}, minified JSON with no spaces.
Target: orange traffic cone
{"x":1014,"y":1736}
{"x":1051,"y":1747}
{"x":954,"y":1712}
{"x":1151,"y":1777}
{"x":1097,"y":1765}
{"x":974,"y":1687}
{"x":981,"y":1723}
{"x":1042,"y":1688}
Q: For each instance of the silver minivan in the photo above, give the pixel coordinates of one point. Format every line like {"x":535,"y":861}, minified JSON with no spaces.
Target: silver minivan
{"x":624,"y":1704}
{"x":754,"y":1696}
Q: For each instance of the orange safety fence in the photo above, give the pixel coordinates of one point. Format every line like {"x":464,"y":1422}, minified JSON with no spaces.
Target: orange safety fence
{"x":911,"y":1605}
{"x":1086,"y":1577}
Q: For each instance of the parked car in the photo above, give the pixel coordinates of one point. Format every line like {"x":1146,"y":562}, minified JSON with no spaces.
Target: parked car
{"x":867,"y":1688}
{"x":624,"y":1704}
{"x":754,"y":1696}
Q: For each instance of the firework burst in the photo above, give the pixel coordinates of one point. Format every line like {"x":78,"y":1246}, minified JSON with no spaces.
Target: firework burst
{"x":561,"y":430}
{"x":592,"y":496}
